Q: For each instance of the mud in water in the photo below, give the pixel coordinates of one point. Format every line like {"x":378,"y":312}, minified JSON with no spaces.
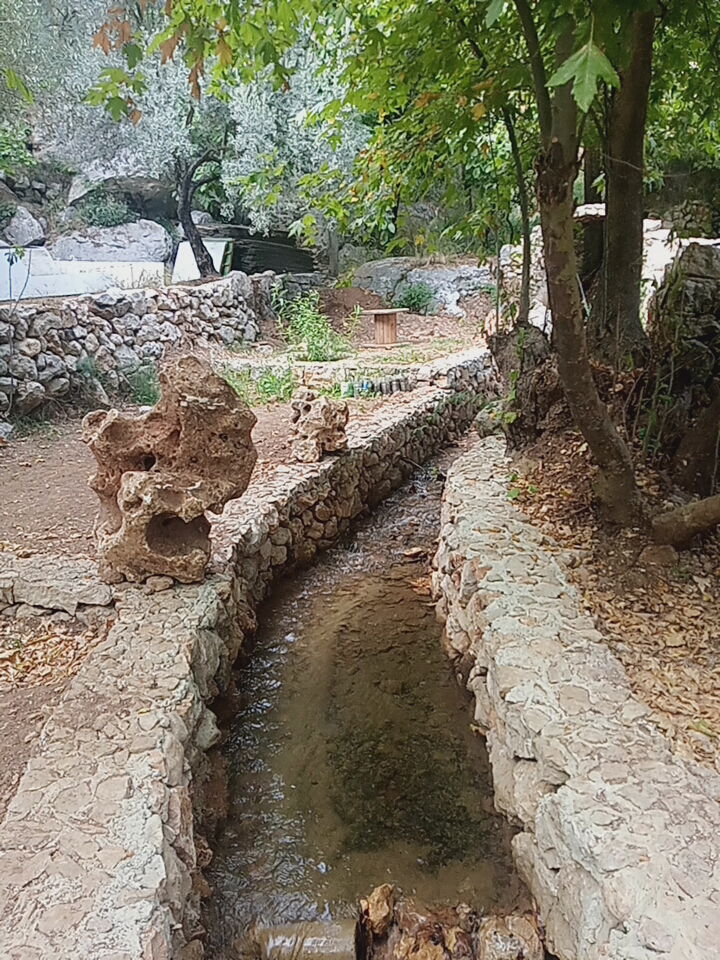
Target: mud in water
{"x":352,"y":761}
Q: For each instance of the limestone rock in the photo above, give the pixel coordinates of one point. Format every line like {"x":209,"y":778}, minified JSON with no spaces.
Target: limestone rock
{"x":141,"y":240}
{"x":319,"y":426}
{"x":509,"y":938}
{"x":24,"y":230}
{"x":160,"y":471}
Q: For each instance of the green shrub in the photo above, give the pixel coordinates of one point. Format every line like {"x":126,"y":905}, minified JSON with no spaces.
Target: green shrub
{"x":416,"y":297}
{"x":270,"y":387}
{"x":14,"y":153}
{"x":310,"y":330}
{"x":99,"y":209}
{"x":143,"y":386}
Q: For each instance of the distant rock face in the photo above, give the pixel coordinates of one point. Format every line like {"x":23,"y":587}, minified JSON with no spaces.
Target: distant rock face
{"x":449,"y":282}
{"x":141,"y":240}
{"x":158,"y":473}
{"x":319,"y":426}
{"x":24,"y":230}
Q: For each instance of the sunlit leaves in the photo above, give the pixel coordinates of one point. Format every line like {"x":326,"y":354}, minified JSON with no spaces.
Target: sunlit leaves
{"x":18,"y":85}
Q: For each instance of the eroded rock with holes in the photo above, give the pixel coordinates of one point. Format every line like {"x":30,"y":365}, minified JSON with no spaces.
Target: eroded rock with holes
{"x":159,"y":472}
{"x":319,"y":426}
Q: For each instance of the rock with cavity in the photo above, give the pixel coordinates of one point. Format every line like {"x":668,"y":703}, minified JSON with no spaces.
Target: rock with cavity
{"x":160,"y":471}
{"x":509,"y":938}
{"x":319,"y":426}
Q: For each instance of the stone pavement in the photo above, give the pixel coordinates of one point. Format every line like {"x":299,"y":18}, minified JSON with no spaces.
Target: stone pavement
{"x":619,"y":839}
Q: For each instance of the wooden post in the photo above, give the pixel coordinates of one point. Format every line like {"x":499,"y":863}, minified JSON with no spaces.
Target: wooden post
{"x":386,"y":328}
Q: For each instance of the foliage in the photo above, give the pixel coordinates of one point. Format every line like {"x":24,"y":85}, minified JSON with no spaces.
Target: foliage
{"x":310,"y":330}
{"x":14,"y":153}
{"x":100,"y":209}
{"x":7,"y":211}
{"x":271,"y":386}
{"x":143,"y":386}
{"x":417,"y":297}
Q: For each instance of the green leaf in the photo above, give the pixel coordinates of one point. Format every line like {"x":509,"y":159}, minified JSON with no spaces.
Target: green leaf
{"x":116,"y":107}
{"x":494,"y":11}
{"x":585,"y":67}
{"x":133,"y":54}
{"x":15,"y":82}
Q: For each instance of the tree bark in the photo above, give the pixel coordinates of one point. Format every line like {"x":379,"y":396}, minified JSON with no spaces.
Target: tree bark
{"x":616,"y":487}
{"x":678,"y":527}
{"x":186,"y":191}
{"x":616,"y":329}
{"x":523,"y":200}
{"x":696,"y":464}
{"x":593,"y":230}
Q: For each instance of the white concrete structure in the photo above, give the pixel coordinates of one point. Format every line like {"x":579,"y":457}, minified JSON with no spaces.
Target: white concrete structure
{"x":185,"y":268}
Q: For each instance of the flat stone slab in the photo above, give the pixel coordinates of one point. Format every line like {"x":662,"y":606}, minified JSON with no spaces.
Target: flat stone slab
{"x":620,"y":838}
{"x":53,"y":583}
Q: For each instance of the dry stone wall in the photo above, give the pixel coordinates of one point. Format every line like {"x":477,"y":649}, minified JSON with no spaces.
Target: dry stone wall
{"x":619,"y":839}
{"x":49,"y":346}
{"x":100,"y":854}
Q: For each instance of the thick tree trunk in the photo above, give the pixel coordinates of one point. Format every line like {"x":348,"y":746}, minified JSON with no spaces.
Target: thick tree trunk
{"x":616,"y":487}
{"x":523,"y":200}
{"x":186,"y":191}
{"x":616,"y":329}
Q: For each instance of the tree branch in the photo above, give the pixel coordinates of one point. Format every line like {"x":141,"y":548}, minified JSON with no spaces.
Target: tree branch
{"x":537,"y":67}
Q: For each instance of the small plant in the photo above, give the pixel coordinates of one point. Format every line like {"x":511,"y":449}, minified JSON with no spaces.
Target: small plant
{"x":416,"y":297}
{"x":143,"y":386}
{"x":99,"y":209}
{"x":270,"y":387}
{"x":7,"y":211}
{"x":87,"y":367}
{"x":310,"y":330}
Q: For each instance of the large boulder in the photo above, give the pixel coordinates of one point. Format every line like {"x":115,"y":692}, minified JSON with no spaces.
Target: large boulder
{"x":448,"y":282}
{"x":141,"y":240}
{"x":159,"y":472}
{"x":24,"y":230}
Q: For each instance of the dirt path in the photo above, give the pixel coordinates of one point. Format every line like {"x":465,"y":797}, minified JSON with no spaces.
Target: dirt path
{"x":47,"y":506}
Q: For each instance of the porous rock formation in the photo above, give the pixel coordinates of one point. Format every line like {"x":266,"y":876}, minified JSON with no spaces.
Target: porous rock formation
{"x":390,"y":929}
{"x":160,"y":471}
{"x":319,"y":426}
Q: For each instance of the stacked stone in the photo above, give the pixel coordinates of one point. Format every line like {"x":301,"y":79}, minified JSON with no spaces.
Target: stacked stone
{"x":619,"y":838}
{"x":47,"y":347}
{"x":123,"y":754}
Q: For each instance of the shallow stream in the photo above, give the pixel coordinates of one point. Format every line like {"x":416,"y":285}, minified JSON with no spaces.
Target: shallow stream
{"x":352,"y":761}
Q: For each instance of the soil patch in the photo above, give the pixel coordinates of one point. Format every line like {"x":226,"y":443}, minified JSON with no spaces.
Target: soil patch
{"x":658,"y":609}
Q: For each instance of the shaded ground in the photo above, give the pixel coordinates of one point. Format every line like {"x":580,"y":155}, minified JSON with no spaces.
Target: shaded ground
{"x":658,"y":609}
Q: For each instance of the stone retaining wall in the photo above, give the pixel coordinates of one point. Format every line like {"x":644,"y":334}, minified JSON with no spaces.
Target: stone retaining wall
{"x":47,"y":346}
{"x":619,"y":839}
{"x":99,"y":856}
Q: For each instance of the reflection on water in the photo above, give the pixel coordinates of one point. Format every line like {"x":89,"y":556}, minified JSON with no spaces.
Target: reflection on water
{"x":352,"y":761}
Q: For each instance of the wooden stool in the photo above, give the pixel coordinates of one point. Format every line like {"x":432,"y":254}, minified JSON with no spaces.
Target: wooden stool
{"x":385,"y":323}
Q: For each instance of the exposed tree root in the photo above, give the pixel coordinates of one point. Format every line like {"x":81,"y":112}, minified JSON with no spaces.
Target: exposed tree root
{"x":677,"y":527}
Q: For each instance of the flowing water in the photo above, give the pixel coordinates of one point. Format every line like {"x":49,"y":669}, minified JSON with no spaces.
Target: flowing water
{"x":352,"y":761}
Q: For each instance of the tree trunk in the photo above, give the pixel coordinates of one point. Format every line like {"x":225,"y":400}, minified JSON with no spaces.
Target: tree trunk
{"x":186,"y":191}
{"x":593,"y":230}
{"x":524,"y":302}
{"x":615,"y":487}
{"x":678,"y":527}
{"x":616,"y":329}
{"x":696,"y":464}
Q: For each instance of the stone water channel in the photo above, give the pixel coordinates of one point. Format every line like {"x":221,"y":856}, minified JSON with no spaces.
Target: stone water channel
{"x":351,"y":759}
